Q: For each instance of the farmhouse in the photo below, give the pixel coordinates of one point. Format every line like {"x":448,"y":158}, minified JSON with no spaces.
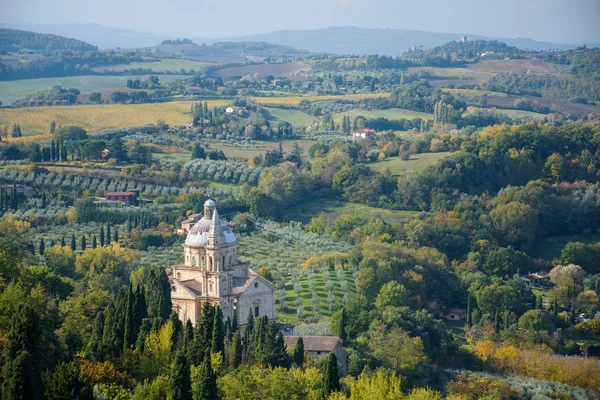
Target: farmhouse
{"x":123,"y":197}
{"x":25,"y":190}
{"x":188,"y":223}
{"x":211,"y":273}
{"x":536,"y":278}
{"x":233,"y":109}
{"x":454,"y":314}
{"x":319,"y":346}
{"x":191,"y":91}
{"x":364,"y":134}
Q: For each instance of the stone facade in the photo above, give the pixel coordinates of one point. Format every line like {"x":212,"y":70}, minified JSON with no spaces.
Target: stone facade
{"x":212,"y":273}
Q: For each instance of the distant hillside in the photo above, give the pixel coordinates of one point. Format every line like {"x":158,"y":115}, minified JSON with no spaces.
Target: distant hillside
{"x":16,"y":40}
{"x":262,"y":49}
{"x":353,"y":40}
{"x":102,"y":36}
{"x":465,"y":50}
{"x":196,"y":52}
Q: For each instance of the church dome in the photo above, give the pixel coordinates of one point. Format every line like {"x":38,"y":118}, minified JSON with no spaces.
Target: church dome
{"x":198,"y":235}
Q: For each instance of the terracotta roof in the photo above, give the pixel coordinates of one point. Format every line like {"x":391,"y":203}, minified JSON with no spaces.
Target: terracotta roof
{"x":539,"y":275}
{"x":313,"y":343}
{"x":119,"y":193}
{"x":193,"y":285}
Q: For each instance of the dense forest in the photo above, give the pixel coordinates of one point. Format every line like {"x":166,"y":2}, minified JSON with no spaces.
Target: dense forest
{"x":24,"y":41}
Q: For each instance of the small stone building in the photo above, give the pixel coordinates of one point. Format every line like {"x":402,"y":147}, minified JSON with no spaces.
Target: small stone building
{"x":319,"y":346}
{"x":123,"y":197}
{"x":187,"y":224}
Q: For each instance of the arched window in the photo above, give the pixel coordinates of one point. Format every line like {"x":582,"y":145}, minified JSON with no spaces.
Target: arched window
{"x":210,"y":264}
{"x":202,"y":261}
{"x":179,"y":276}
{"x":230,"y":260}
{"x":223,"y":265}
{"x":193,"y":261}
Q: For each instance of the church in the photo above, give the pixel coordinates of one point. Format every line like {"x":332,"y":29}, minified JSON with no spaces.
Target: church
{"x":212,"y":273}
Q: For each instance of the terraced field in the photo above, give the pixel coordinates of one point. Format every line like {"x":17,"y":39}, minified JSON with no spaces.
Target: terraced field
{"x":392,"y":113}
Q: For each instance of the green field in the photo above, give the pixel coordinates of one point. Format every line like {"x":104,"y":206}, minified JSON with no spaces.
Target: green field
{"x":11,"y":91}
{"x":521,"y":114}
{"x":416,"y":164}
{"x":294,"y":117}
{"x":304,"y":211}
{"x":391,"y":113}
{"x":162,"y":65}
{"x":550,"y":248}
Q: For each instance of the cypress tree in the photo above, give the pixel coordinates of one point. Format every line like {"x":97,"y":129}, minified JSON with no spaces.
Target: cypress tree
{"x":102,"y":236}
{"x":235,"y":352}
{"x":62,"y":241}
{"x":469,"y":312}
{"x":108,"y":241}
{"x":51,"y":242}
{"x":24,"y":357}
{"x":177,"y":338}
{"x":73,"y":243}
{"x":218,"y":344}
{"x":44,"y":200}
{"x":13,"y":197}
{"x":159,"y":294}
{"x":331,"y":379}
{"x":180,"y":385}
{"x":298,"y":354}
{"x":280,"y":354}
{"x":129,"y":334}
{"x":234,"y":323}
{"x":145,"y":329}
{"x":83,"y":243}
{"x":343,"y":325}
{"x":42,"y":246}
{"x":188,"y":335}
{"x":116,"y":235}
{"x":94,"y":348}
{"x":94,"y":244}
{"x":205,"y":386}
{"x":497,"y":322}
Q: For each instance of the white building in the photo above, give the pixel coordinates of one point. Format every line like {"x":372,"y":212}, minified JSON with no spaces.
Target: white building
{"x":212,"y":273}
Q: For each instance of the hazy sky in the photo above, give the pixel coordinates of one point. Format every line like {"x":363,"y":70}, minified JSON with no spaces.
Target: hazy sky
{"x":561,"y":21}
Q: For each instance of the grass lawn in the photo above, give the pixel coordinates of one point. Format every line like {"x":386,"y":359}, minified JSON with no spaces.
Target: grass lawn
{"x":162,"y":65}
{"x":391,"y":113}
{"x":458,"y":328}
{"x":11,"y":91}
{"x":290,"y":315}
{"x":294,"y":117}
{"x":550,"y":248}
{"x":416,"y":164}
{"x":304,"y":211}
{"x":522,"y":114}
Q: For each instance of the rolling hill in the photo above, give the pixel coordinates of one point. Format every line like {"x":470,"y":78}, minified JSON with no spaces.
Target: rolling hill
{"x":15,"y":40}
{"x":193,"y":51}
